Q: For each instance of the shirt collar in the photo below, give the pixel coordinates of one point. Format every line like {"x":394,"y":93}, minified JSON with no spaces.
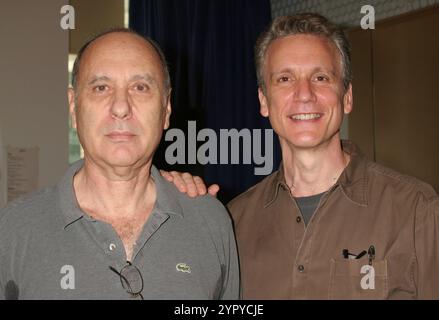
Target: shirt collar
{"x":167,"y":194}
{"x":166,"y":201}
{"x":353,"y":179}
{"x":67,"y":198}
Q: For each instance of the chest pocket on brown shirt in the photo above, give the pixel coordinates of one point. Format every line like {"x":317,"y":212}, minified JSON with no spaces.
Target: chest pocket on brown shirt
{"x":354,"y":279}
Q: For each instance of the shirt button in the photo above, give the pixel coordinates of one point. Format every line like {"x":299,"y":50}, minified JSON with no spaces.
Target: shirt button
{"x":301,"y":268}
{"x":298,"y":219}
{"x":112,"y":246}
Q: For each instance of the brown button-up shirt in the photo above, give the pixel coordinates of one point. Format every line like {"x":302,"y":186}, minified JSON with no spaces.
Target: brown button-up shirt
{"x":370,"y":205}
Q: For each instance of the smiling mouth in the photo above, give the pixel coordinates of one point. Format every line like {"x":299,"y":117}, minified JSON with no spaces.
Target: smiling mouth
{"x":306,"y":116}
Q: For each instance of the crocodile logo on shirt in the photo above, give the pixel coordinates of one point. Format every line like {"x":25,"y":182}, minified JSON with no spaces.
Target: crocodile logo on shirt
{"x":183,"y":267}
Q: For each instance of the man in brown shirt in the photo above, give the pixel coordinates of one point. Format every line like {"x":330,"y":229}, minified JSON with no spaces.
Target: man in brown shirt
{"x":329,"y":224}
{"x":369,"y":205}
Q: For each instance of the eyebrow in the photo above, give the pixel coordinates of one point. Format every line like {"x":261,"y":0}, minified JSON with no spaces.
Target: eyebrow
{"x":147,"y":77}
{"x":331,"y":71}
{"x":96,"y":79}
{"x":314,"y":70}
{"x":284,"y":70}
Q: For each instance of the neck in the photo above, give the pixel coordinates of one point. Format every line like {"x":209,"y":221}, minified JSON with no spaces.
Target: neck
{"x":310,"y":171}
{"x":109,"y":194}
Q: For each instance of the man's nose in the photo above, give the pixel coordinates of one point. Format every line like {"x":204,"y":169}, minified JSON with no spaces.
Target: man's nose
{"x":121,"y":107}
{"x":304,"y":91}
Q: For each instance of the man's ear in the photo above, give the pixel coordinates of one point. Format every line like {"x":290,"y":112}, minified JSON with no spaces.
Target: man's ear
{"x":168,"y":111}
{"x":263,"y":109}
{"x":72,"y":106}
{"x":348,"y":100}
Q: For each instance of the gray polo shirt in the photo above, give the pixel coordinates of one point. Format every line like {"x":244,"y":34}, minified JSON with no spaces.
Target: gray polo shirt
{"x":50,"y":249}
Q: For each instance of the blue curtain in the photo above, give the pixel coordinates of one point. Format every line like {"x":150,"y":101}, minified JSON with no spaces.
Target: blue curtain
{"x":209,"y":47}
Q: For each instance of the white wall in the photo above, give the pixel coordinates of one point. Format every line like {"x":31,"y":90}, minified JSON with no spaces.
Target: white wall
{"x":33,"y":82}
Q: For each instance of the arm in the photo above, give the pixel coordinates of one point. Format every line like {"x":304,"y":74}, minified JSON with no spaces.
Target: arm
{"x":192,"y":185}
{"x":427,"y":250}
{"x":2,"y":291}
{"x":231,"y":279}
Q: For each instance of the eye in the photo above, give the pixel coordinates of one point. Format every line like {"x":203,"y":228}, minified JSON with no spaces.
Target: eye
{"x":100,"y":88}
{"x":141,"y":87}
{"x":283,"y":79}
{"x":321,"y":78}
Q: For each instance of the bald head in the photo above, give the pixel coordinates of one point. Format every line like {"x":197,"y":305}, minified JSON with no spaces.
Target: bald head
{"x":121,"y":102}
{"x":124,"y":37}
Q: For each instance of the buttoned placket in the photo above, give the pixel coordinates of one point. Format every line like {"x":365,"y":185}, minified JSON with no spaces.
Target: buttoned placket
{"x":304,"y":235}
{"x":108,"y":239}
{"x":152,"y":225}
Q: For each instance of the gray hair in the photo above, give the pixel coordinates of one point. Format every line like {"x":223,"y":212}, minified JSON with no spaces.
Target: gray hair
{"x":304,"y":23}
{"x":75,"y":71}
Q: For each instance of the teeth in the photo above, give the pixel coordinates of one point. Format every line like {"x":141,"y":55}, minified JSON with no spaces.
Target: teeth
{"x":306,"y":116}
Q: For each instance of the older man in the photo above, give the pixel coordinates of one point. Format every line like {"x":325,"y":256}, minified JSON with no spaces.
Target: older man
{"x":113,"y":225}
{"x":330,"y":224}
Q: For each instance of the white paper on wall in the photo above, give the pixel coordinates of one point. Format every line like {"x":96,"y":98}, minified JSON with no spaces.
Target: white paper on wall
{"x":22,"y":171}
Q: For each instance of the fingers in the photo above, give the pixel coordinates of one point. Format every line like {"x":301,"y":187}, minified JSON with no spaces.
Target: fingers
{"x":167,"y":175}
{"x":194,"y":185}
{"x":200,"y":186}
{"x":213,"y":190}
{"x":178,"y":181}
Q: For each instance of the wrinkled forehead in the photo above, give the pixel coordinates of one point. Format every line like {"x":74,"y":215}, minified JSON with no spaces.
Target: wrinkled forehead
{"x":303,"y":49}
{"x":116,"y":51}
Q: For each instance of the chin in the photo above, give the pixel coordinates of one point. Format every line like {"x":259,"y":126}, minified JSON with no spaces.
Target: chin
{"x":122,"y":158}
{"x":305,"y":145}
{"x":305,"y":142}
{"x":120,"y":162}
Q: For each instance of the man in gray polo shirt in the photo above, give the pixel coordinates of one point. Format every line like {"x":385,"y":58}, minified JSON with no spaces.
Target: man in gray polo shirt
{"x":113,"y":228}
